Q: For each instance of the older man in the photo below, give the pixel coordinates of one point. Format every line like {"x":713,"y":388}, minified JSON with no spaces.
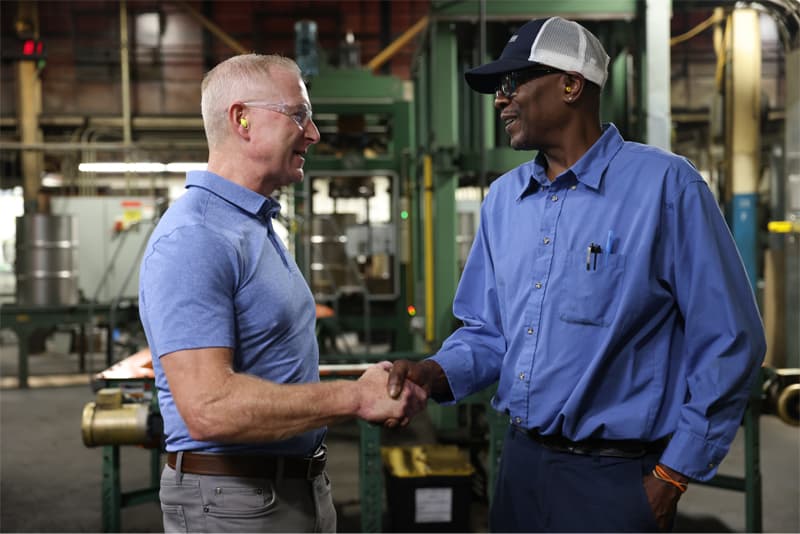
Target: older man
{"x":230,"y":322}
{"x":606,"y":295}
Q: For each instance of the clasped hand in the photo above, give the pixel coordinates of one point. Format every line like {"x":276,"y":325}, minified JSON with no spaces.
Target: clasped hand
{"x":377,"y":406}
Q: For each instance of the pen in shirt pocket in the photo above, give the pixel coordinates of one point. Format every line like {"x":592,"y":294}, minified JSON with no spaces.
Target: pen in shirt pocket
{"x":609,"y":244}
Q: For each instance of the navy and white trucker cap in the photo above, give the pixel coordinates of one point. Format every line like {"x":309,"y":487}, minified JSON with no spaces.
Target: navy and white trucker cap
{"x":552,"y":42}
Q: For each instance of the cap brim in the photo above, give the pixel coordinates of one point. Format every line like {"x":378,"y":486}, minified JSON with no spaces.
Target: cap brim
{"x":486,"y":78}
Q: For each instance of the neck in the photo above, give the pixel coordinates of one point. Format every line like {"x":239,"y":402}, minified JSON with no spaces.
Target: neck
{"x":239,"y":170}
{"x":576,"y":139}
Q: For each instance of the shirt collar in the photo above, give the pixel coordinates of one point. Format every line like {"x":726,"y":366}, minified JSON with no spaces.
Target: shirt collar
{"x":589,"y":169}
{"x":239,"y":196}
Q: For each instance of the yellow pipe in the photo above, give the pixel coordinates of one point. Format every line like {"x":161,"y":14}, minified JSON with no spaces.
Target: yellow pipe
{"x":716,"y":17}
{"x":427,"y":167}
{"x":387,"y":53}
{"x":213,"y":28}
{"x":720,"y":40}
{"x":744,"y":148}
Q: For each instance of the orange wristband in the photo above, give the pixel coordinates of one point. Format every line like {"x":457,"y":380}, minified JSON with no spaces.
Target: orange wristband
{"x":661,"y":474}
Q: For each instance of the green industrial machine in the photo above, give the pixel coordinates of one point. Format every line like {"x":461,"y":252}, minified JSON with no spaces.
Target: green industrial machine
{"x":354,"y":232}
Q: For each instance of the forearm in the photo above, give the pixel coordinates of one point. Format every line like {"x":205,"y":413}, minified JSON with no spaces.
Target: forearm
{"x":247,"y":409}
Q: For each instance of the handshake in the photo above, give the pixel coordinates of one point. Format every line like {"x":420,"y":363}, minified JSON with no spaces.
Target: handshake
{"x":392,"y":393}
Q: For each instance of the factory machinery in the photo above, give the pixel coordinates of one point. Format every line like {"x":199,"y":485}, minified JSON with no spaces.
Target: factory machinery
{"x":384,"y":219}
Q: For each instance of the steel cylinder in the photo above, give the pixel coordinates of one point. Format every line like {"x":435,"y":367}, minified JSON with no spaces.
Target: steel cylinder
{"x":124,"y":425}
{"x":46,"y":263}
{"x":788,"y":405}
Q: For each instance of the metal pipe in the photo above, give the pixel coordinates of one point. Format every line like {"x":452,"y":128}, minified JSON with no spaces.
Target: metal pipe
{"x":483,"y":165}
{"x":430,"y":308}
{"x":213,"y":28}
{"x":115,"y":146}
{"x":29,"y":106}
{"x":387,"y":53}
{"x":125,"y":70}
{"x":743,"y":146}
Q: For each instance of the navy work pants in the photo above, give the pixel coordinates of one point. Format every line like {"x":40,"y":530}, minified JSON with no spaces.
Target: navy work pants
{"x":542,"y":490}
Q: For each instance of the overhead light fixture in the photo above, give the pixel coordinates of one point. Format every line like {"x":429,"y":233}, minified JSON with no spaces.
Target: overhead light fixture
{"x":141,"y":167}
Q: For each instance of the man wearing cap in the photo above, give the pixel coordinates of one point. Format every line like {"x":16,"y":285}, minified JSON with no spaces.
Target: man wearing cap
{"x":605,"y":293}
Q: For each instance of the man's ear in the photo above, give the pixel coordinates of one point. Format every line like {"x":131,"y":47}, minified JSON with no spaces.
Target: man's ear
{"x":237,"y":118}
{"x":573,"y":86}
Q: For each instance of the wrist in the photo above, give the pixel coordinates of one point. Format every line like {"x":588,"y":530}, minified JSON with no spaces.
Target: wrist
{"x":671,"y":477}
{"x":439,"y":387}
{"x":675,"y":475}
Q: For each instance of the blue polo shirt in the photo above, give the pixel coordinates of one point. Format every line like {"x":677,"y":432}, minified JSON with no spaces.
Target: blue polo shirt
{"x":214,"y":274}
{"x":610,"y":303}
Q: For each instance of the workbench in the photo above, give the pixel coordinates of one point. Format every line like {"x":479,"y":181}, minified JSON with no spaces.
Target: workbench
{"x":25,"y":320}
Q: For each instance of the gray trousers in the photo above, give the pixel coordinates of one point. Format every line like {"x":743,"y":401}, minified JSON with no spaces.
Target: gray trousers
{"x":205,"y":503}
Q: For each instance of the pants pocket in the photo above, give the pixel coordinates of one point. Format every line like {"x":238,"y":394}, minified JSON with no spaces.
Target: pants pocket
{"x":174,"y":518}
{"x":323,"y":504}
{"x":238,"y":507}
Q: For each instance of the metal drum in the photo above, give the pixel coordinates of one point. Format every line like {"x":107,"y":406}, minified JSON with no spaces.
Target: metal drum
{"x":331,"y":270}
{"x":47,"y":260}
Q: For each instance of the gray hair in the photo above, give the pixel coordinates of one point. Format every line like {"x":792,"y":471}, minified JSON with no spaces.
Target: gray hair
{"x":237,"y":78}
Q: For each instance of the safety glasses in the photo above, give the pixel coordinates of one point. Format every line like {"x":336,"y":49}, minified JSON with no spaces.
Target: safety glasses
{"x":510,"y":81}
{"x":301,"y":114}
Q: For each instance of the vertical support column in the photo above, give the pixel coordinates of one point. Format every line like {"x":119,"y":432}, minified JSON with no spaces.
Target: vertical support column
{"x":24,"y":334}
{"x":124,"y":67}
{"x":111,"y":494}
{"x":29,"y":107}
{"x":743,"y":97}
{"x":752,"y":459}
{"x":444,"y":111}
{"x":444,"y":83}
{"x":792,"y":207}
{"x":743,"y":149}
{"x":370,"y":477}
{"x":659,"y":121}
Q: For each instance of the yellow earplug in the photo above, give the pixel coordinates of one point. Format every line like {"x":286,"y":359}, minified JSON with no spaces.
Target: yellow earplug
{"x":243,"y":122}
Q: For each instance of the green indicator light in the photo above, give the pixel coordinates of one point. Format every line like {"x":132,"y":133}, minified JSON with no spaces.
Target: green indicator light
{"x":404,"y":214}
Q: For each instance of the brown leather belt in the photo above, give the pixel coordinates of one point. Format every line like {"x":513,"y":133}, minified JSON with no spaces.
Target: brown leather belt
{"x":600,"y":447}
{"x":257,"y":466}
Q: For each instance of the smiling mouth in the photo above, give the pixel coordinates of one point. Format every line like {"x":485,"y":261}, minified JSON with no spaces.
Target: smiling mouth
{"x":508,"y":122}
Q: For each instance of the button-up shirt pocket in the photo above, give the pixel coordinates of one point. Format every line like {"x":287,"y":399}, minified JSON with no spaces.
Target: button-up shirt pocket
{"x":591,"y":295}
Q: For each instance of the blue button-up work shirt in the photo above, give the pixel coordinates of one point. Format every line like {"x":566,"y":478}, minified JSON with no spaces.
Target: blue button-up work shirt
{"x":610,"y":303}
{"x":214,"y":274}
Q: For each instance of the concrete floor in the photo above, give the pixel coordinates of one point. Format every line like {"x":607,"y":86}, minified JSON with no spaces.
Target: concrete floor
{"x":50,"y":482}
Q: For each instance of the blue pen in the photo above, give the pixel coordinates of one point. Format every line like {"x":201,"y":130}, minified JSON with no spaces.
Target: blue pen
{"x":610,"y":242}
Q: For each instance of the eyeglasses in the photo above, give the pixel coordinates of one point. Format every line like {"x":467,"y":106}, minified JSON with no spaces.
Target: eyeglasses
{"x":510,"y":81}
{"x":301,"y":114}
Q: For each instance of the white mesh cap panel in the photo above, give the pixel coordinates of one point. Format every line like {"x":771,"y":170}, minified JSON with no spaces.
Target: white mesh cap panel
{"x":567,"y":45}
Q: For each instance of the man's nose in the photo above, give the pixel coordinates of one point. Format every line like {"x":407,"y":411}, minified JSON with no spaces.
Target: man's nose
{"x":500,"y":100}
{"x":312,"y":132}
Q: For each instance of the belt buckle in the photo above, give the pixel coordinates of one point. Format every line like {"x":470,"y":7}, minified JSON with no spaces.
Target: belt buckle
{"x":321,"y":455}
{"x":575,"y":448}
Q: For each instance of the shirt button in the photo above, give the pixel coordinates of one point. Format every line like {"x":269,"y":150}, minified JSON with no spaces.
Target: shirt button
{"x":538,"y":285}
{"x":574,"y":187}
{"x":530,"y":330}
{"x":546,"y":240}
{"x":517,"y":420}
{"x":711,"y":465}
{"x":554,"y":198}
{"x":522,"y":376}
